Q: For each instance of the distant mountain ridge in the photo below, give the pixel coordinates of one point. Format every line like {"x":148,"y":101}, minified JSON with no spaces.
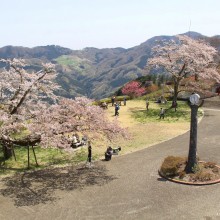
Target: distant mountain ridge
{"x":48,"y":52}
{"x":93,"y":72}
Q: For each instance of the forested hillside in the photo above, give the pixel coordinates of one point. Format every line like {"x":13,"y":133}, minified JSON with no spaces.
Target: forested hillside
{"x":93,"y":72}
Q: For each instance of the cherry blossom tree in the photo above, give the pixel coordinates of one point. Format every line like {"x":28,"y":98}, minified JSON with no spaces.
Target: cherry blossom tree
{"x":185,"y":57}
{"x":21,"y":93}
{"x":133,"y":89}
{"x":77,"y":115}
{"x":28,"y":103}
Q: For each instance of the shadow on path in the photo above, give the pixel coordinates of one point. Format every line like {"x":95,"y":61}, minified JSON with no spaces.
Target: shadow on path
{"x":32,"y":188}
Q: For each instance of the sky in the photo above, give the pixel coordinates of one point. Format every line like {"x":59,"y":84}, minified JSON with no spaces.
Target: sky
{"x":77,"y":24}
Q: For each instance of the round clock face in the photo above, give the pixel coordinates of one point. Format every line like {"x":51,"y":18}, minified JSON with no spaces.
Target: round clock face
{"x":194,"y":99}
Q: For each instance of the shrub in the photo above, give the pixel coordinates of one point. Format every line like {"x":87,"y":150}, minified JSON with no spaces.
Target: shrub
{"x":209,"y":165}
{"x":202,"y":176}
{"x":215,"y":170}
{"x":196,"y":168}
{"x":121,"y":98}
{"x":133,"y":89}
{"x":171,"y":165}
{"x":108,"y":100}
{"x":152,"y":88}
{"x":182,"y":174}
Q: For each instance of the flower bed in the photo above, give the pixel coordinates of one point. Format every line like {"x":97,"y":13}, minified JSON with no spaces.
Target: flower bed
{"x":173,"y":169}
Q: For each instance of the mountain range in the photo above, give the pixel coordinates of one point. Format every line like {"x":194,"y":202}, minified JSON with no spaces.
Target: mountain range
{"x":92,"y":72}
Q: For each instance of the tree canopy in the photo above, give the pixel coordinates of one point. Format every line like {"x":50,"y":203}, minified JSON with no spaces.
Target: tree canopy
{"x":186,"y":57}
{"x":28,"y":104}
{"x":133,"y":89}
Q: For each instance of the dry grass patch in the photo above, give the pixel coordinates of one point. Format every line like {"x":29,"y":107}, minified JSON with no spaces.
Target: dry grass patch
{"x":144,"y":134}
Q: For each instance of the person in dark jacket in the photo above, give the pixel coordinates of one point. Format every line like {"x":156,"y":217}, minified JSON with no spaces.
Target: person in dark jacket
{"x":117,"y":109}
{"x":89,"y":159}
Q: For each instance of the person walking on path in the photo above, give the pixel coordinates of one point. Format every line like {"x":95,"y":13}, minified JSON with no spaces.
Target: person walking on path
{"x":147,"y":104}
{"x":117,"y":109}
{"x":162,"y":113}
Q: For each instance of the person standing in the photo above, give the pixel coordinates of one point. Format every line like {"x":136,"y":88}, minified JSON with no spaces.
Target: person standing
{"x":162,"y":113}
{"x":125,"y":101}
{"x":89,"y":159}
{"x":117,"y":109}
{"x":174,"y":105}
{"x":108,"y":153}
{"x":113,"y":100}
{"x":147,"y":104}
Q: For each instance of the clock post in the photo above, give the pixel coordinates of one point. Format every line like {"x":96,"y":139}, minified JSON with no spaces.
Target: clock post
{"x":192,"y":156}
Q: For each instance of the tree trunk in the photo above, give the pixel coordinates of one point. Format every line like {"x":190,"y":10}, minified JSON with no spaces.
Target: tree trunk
{"x":7,"y":150}
{"x":175,"y":92}
{"x":192,"y":159}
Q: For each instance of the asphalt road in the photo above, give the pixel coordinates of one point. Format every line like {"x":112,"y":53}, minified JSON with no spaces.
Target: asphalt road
{"x":134,"y":190}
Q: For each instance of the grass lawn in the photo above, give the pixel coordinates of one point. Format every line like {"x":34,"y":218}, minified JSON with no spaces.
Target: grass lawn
{"x":145,"y":128}
{"x":45,"y":157}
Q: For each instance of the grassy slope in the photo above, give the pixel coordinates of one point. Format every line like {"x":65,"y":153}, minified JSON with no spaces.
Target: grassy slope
{"x":146,"y":128}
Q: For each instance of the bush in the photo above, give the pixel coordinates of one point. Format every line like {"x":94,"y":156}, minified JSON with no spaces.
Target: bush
{"x":182,"y":174}
{"x":202,"y":176}
{"x":215,"y":170}
{"x":121,"y":98}
{"x":108,"y":100}
{"x":171,"y":165}
{"x":209,"y":165}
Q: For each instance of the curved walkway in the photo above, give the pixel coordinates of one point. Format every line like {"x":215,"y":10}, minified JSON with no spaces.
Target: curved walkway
{"x":136,"y":191}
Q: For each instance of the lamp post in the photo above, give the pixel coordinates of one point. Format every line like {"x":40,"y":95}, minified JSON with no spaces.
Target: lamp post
{"x":192,"y":160}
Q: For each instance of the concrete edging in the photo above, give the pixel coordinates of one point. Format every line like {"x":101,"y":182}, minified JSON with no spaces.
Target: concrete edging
{"x":190,"y":183}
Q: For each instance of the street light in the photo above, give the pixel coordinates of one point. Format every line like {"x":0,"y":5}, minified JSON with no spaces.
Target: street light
{"x":192,"y":159}
{"x":194,"y":99}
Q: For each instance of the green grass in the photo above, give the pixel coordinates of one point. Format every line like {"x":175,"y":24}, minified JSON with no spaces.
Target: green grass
{"x":66,"y":61}
{"x":152,"y":115}
{"x":45,"y":158}
{"x":73,"y":62}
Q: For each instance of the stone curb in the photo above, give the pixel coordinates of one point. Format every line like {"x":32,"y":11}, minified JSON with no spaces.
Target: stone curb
{"x":190,"y":183}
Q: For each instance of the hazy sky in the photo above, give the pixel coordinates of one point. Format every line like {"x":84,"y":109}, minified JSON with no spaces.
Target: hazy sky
{"x":77,"y":24}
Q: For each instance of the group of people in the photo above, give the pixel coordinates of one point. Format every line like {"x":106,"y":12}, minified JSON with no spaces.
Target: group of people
{"x":76,"y":142}
{"x":117,"y":107}
{"x":117,"y":104}
{"x":113,"y":100}
{"x":162,"y":110}
{"x":114,"y":151}
{"x":111,"y":151}
{"x":108,"y":154}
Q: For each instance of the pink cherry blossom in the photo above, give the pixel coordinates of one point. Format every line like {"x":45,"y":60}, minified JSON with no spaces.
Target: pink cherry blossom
{"x":133,"y":89}
{"x":28,"y":102}
{"x":185,"y":57}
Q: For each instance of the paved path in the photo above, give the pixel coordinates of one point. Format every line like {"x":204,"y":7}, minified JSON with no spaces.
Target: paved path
{"x":136,"y":191}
